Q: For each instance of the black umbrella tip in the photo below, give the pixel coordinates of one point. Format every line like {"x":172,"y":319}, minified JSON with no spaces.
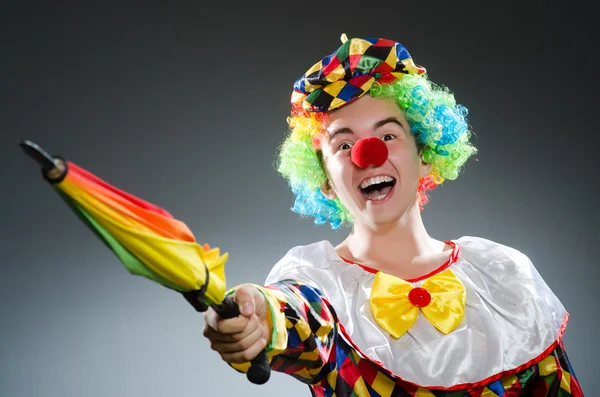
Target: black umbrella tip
{"x":29,"y":146}
{"x":37,"y":153}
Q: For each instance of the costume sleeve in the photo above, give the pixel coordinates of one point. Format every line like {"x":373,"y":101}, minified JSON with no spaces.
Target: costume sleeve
{"x":553,"y":376}
{"x":304,"y":331}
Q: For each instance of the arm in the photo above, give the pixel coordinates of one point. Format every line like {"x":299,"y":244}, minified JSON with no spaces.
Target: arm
{"x":299,"y":331}
{"x":303,"y":331}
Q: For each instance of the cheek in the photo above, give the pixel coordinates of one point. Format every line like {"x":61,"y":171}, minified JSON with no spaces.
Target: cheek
{"x":335,"y":160}
{"x":338,"y":169}
{"x":405,"y":160}
{"x":330,"y":164}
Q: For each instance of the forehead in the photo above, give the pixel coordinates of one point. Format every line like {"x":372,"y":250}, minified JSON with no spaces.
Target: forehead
{"x":363,"y":112}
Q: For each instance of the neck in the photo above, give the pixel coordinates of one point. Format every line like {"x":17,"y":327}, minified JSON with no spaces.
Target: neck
{"x":400,"y":244}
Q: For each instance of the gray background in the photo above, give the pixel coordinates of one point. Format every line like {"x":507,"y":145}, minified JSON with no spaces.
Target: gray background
{"x":184,"y":105}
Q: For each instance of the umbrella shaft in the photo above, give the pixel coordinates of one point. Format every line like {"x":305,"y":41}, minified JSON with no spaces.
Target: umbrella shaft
{"x":227,"y":309}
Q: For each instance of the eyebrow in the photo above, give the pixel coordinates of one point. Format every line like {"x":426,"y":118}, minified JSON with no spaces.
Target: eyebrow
{"x":343,"y":130}
{"x":379,"y":124}
{"x":394,"y":120}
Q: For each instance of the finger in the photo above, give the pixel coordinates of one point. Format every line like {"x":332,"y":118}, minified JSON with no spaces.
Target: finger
{"x":244,"y":297}
{"x":218,"y":336}
{"x":247,"y":355}
{"x":240,"y":345}
{"x":210,"y":318}
{"x":232,"y":325}
{"x":227,"y":325}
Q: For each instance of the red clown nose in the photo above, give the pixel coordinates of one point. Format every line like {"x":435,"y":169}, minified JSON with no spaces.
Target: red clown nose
{"x":369,"y":151}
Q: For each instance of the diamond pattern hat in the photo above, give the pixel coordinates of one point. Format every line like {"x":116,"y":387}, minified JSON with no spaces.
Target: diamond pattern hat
{"x":351,"y":71}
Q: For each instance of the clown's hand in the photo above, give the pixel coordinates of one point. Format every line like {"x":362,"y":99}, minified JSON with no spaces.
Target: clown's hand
{"x":238,"y":340}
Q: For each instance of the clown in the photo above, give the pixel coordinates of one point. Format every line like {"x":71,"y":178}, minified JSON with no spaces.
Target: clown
{"x":391,"y":311}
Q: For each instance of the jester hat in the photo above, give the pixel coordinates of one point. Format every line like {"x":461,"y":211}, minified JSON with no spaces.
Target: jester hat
{"x":350,"y":72}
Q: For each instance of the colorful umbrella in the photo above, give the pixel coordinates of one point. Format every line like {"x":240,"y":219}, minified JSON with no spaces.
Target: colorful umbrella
{"x":147,"y":239}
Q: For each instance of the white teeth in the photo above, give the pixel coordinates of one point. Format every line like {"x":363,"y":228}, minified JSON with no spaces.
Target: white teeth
{"x":380,"y":197}
{"x":374,"y":180}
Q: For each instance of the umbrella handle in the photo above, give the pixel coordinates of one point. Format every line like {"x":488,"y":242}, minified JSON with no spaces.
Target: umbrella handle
{"x":260,"y":370}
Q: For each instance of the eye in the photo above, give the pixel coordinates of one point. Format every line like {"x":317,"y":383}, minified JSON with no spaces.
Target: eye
{"x":345,"y":146}
{"x":388,"y":137}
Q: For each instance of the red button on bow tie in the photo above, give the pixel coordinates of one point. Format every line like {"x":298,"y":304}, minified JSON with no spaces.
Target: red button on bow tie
{"x":419,"y":297}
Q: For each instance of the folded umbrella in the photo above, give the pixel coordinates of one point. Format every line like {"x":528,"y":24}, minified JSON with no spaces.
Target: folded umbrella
{"x":147,"y":239}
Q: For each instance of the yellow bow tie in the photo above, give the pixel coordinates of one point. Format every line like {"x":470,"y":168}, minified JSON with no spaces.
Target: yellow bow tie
{"x":395,"y":303}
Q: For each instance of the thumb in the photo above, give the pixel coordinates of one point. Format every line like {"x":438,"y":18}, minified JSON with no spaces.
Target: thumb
{"x":245,"y":298}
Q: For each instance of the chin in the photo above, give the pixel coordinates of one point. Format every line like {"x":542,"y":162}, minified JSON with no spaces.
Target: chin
{"x":381,"y":216}
{"x":391,"y":212}
{"x":391,"y":209}
{"x":387,"y":219}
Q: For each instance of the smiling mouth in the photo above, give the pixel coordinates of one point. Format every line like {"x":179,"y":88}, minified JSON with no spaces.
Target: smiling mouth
{"x":378,"y":187}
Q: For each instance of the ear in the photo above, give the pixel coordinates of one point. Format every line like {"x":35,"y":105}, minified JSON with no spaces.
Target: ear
{"x":327,"y":190}
{"x":425,"y":167}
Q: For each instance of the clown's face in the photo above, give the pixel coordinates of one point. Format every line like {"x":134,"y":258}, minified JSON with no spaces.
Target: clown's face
{"x":379,"y":193}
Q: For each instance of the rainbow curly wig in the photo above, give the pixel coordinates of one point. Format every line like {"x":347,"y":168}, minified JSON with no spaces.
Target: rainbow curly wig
{"x":383,"y":69}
